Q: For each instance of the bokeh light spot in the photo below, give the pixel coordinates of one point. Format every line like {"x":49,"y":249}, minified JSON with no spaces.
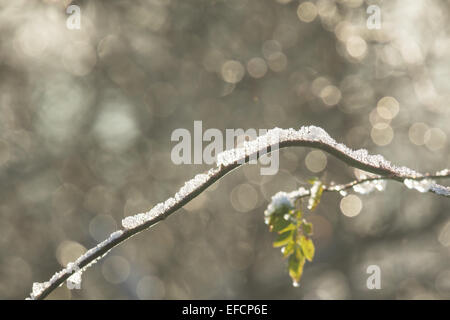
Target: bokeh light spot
{"x":351,"y":205}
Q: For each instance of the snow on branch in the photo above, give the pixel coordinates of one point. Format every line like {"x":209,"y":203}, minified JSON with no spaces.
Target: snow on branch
{"x":366,"y":185}
{"x":309,"y":136}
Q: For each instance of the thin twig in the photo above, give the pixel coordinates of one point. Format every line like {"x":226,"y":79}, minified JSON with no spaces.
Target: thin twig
{"x":342,"y":187}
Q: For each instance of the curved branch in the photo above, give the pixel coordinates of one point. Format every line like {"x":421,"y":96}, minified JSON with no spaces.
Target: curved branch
{"x":312,"y":137}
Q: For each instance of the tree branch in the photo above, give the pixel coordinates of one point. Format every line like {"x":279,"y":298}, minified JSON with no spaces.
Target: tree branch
{"x":312,"y":137}
{"x":343,"y":187}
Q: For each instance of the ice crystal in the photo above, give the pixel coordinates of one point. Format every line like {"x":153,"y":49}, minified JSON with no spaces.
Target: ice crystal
{"x":307,"y":133}
{"x":444,"y":172}
{"x":369,"y":186}
{"x":421,"y":185}
{"x":441,"y":190}
{"x":190,"y":186}
{"x":75,"y":279}
{"x":279,"y":200}
{"x":343,"y":193}
{"x":300,"y":192}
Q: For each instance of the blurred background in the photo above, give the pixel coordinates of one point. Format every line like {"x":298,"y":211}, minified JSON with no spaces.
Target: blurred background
{"x":86,"y":118}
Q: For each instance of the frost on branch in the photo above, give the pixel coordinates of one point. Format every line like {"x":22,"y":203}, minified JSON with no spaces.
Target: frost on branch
{"x":421,"y":186}
{"x":276,"y":136}
{"x":305,"y":136}
{"x":369,"y":186}
{"x":189,"y":187}
{"x":260,"y":145}
{"x":441,"y":190}
{"x":75,"y":279}
{"x":426,"y":185}
{"x":300,"y":192}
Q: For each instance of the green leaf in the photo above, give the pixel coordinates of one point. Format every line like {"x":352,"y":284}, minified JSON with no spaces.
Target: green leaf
{"x":288,"y":228}
{"x":283,"y":239}
{"x":298,"y":252}
{"x":296,"y":267}
{"x":297,"y":214}
{"x":278,"y":223}
{"x":289,"y":249}
{"x":307,"y":247}
{"x":316,"y":194}
{"x":293,"y":232}
{"x":307,"y":227}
